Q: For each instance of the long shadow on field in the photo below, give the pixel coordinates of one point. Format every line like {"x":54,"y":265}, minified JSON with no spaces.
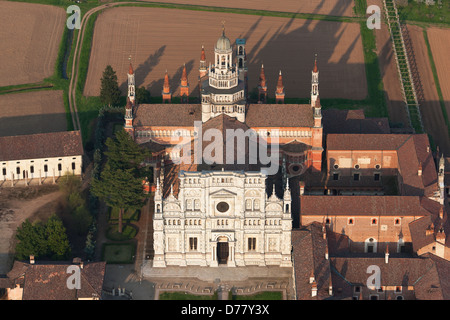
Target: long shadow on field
{"x":31,"y":124}
{"x":319,"y":37}
{"x":145,"y":68}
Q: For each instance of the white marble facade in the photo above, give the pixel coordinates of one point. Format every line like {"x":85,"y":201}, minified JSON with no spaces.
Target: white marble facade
{"x":222,"y":218}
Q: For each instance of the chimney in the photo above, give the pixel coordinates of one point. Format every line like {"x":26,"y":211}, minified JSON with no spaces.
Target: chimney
{"x":311,"y":277}
{"x":32,"y":259}
{"x":386,"y":255}
{"x":314,"y":289}
{"x":440,"y":235}
{"x":302,"y":187}
{"x":429,"y":230}
{"x":419,"y":170}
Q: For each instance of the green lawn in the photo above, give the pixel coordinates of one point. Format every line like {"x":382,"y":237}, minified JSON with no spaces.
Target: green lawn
{"x":176,"y":295}
{"x":119,"y":253}
{"x":266,"y":295}
{"x":129,"y":231}
{"x":129,"y":215}
{"x":420,"y":12}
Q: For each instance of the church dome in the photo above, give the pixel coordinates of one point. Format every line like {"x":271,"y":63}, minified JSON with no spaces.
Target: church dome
{"x":223,"y":43}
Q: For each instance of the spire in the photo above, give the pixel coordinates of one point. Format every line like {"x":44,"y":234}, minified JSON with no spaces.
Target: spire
{"x":262,"y":88}
{"x":314,"y":83}
{"x":287,"y":192}
{"x":131,"y":83}
{"x":315,"y":64}
{"x":203,"y":55}
{"x":262,"y":77}
{"x":280,"y":87}
{"x":223,"y":28}
{"x":166,"y":94}
{"x":184,"y":86}
{"x":279,"y":92}
{"x":166,"y":82}
{"x":184,"y":75}
{"x":202,"y":69}
{"x":130,"y":69}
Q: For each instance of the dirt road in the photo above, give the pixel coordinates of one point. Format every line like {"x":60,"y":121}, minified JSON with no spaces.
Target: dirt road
{"x":17,"y":205}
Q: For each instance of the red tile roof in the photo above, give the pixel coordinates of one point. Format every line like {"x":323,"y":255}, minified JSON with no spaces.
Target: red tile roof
{"x":176,"y":115}
{"x":279,"y":115}
{"x":366,"y":141}
{"x":412,"y":150}
{"x":48,"y":281}
{"x":428,"y":274}
{"x":362,"y":205}
{"x":309,"y":249}
{"x":41,"y":145}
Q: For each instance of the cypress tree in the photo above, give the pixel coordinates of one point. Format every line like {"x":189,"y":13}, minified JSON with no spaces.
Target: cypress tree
{"x":109,"y":92}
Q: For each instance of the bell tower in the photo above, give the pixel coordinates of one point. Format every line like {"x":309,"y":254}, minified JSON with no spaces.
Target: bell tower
{"x":279,"y":92}
{"x":184,"y":86}
{"x":166,"y":93}
{"x":262,"y":88}
{"x":224,"y":90}
{"x":203,"y":70}
{"x":131,"y":83}
{"x":314,"y":83}
{"x":129,"y":118}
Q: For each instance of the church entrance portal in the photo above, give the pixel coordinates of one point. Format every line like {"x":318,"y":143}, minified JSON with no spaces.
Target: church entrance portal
{"x":222,"y":252}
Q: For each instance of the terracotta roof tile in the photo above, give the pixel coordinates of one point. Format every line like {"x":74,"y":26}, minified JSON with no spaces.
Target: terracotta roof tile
{"x":412,"y":150}
{"x":309,"y":248}
{"x":48,"y":281}
{"x":362,"y":205}
{"x":428,"y":274}
{"x":279,"y":115}
{"x":177,"y":115}
{"x":41,"y":145}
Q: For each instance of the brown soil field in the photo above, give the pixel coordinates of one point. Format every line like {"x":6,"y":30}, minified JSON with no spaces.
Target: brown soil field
{"x":432,"y":117}
{"x":326,"y":7}
{"x":159,"y":39}
{"x":440,"y":47}
{"x":32,"y":112}
{"x":30,"y":35}
{"x":388,"y":68}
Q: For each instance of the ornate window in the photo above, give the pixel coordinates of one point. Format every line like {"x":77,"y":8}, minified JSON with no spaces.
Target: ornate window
{"x":251,"y":244}
{"x":193,"y":244}
{"x":222,"y":207}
